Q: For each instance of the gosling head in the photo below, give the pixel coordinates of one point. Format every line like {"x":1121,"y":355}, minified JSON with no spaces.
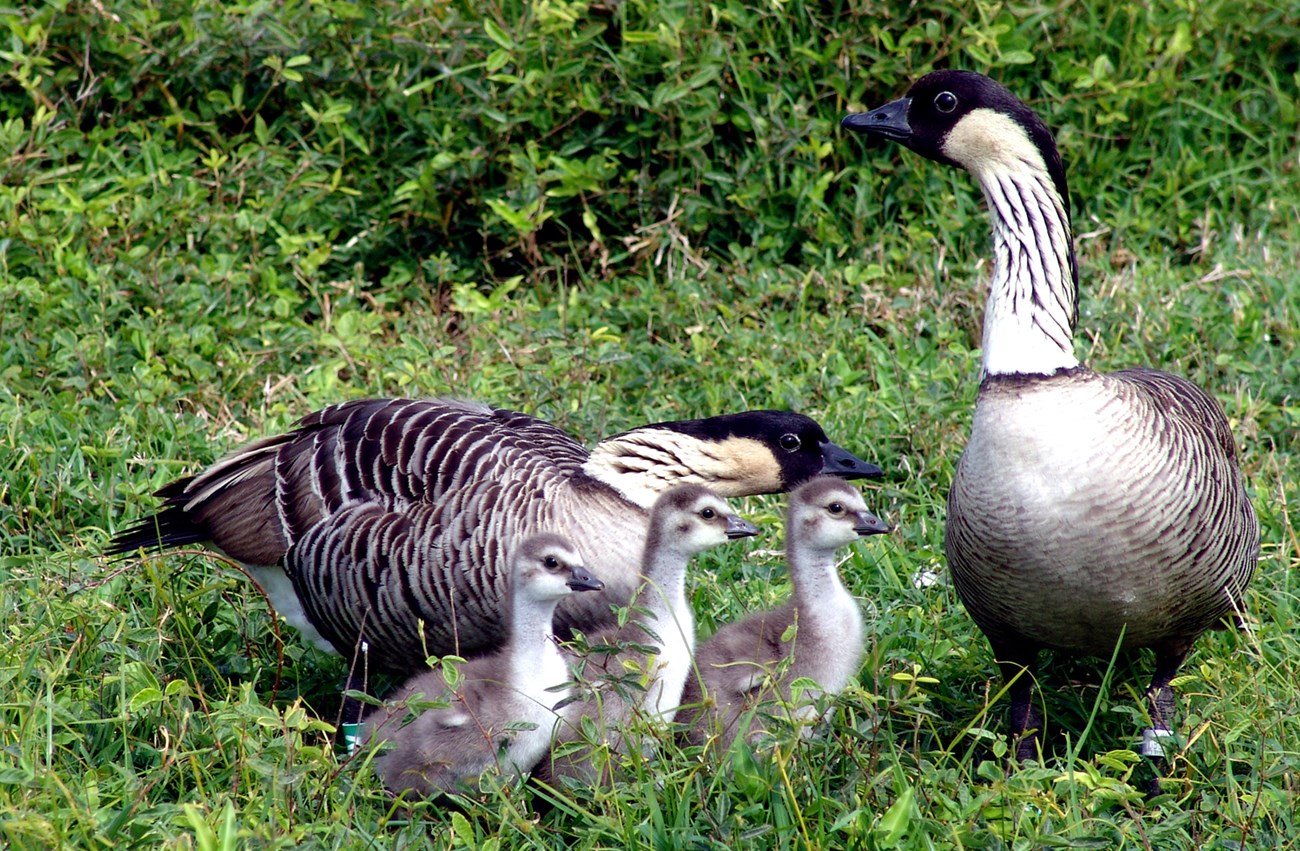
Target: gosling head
{"x":689,"y":519}
{"x":967,"y":120}
{"x":826,"y":514}
{"x":547,"y":568}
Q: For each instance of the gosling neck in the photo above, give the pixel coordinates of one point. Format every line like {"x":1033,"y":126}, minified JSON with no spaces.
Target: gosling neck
{"x":814,"y":576}
{"x":531,"y":637}
{"x":663,"y":589}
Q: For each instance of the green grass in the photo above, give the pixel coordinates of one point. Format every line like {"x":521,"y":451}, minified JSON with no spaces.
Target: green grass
{"x":605,"y":214}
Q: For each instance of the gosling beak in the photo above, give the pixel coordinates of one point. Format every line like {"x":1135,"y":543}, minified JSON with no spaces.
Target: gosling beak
{"x":843,"y":464}
{"x":580,"y":579}
{"x":889,"y":121}
{"x":739,"y":528}
{"x":865,"y":523}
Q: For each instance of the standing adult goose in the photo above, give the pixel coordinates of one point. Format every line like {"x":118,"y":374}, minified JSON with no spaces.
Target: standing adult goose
{"x":500,"y":715}
{"x":638,"y":670}
{"x":391,"y":521}
{"x":816,"y":634}
{"x":1089,"y":510}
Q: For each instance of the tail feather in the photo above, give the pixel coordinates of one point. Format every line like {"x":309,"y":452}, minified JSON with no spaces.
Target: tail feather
{"x":171,"y":527}
{"x":231,"y":504}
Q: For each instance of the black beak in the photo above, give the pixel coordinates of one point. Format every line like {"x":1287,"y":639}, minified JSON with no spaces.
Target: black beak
{"x":739,"y":528}
{"x":845,"y":465}
{"x":580,"y":579}
{"x":866,"y":523}
{"x":889,"y":121}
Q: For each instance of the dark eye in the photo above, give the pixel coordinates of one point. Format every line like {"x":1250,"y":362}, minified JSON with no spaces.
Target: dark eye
{"x":790,"y":442}
{"x":551,"y":562}
{"x":945,"y":101}
{"x":708,"y":514}
{"x":835,"y":508}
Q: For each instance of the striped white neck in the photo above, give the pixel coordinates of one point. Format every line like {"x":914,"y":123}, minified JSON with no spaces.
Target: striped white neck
{"x":1029,"y":318}
{"x":1031,"y":310}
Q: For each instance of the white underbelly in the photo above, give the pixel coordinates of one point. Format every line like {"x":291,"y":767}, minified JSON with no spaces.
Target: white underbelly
{"x":279,"y":589}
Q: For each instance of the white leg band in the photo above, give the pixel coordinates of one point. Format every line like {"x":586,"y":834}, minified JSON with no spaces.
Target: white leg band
{"x":1151,"y":745}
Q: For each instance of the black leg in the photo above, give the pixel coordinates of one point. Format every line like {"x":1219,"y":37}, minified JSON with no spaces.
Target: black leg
{"x":1161,"y":698}
{"x":1161,"y":694}
{"x":351,"y":709}
{"x":1018,"y":663}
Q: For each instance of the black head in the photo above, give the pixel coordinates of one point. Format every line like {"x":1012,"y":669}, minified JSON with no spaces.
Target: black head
{"x":941,"y":102}
{"x":797,"y":443}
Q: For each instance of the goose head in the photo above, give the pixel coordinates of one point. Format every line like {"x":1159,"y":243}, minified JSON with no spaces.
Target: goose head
{"x":968,"y":120}
{"x":826,"y":514}
{"x":744,"y":454}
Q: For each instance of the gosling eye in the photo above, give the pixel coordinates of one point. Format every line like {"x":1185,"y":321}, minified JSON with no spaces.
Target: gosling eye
{"x":551,"y":562}
{"x":945,"y":101}
{"x":708,"y":513}
{"x":835,"y":508}
{"x":790,"y":442}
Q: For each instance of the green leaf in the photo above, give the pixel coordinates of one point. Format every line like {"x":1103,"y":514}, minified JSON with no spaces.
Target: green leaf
{"x":897,"y":819}
{"x":746,"y":772}
{"x":463,"y":831}
{"x":229,"y":831}
{"x":16,"y":776}
{"x":204,"y":836}
{"x":143,"y":698}
{"x":497,"y":34}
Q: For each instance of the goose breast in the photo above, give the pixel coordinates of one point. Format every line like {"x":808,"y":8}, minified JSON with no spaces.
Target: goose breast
{"x":1072,"y":519}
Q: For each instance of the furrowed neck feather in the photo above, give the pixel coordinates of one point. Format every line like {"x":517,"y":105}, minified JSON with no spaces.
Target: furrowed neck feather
{"x":643,"y":463}
{"x":1033,"y":296}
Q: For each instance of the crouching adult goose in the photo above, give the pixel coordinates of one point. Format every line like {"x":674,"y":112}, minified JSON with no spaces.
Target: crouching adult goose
{"x":1089,"y":510}
{"x":638,"y":670}
{"x":500,"y":715}
{"x":817,"y":634}
{"x":390,"y":521}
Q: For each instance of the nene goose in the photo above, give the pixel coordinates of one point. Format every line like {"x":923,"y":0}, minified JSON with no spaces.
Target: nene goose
{"x":1089,"y":511}
{"x":817,"y":634}
{"x":390,"y":521}
{"x":500,"y":716}
{"x":638,"y":670}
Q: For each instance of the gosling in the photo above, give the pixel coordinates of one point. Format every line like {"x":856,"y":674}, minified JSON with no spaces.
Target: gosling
{"x":815,"y":635}
{"x":648,"y":659}
{"x":499,"y":716}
